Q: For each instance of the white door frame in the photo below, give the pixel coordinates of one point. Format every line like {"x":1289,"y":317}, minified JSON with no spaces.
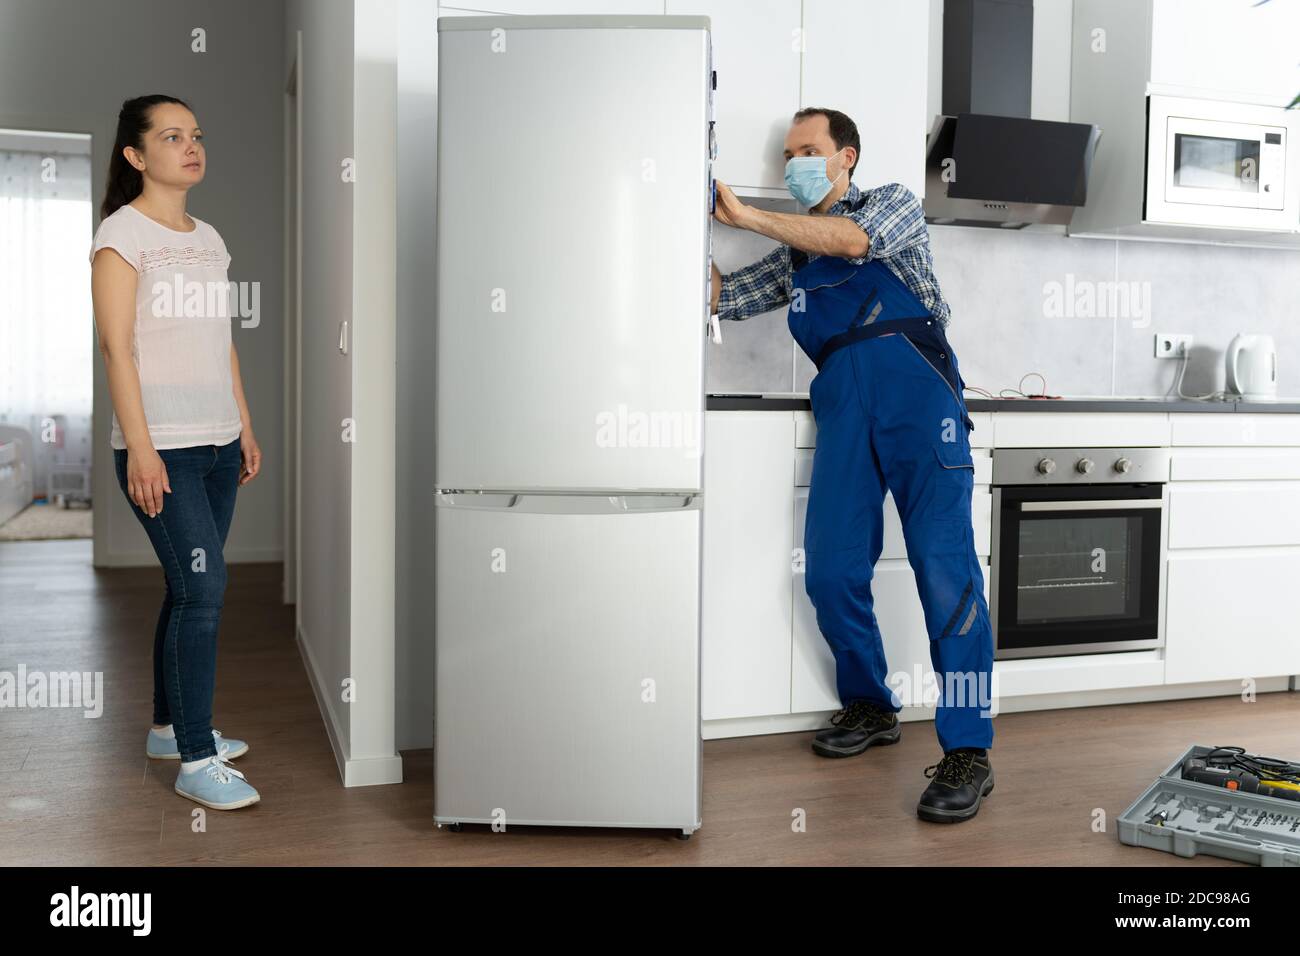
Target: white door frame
{"x":292,"y":581}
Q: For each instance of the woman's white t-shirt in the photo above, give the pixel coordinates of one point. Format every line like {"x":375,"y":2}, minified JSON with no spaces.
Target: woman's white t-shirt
{"x":181,"y":344}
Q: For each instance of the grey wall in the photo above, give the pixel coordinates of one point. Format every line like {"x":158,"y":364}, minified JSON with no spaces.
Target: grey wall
{"x":1000,"y":284}
{"x":68,"y":65}
{"x":996,"y":283}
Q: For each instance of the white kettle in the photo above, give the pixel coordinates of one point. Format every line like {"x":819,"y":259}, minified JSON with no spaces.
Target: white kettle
{"x":1252,"y":368}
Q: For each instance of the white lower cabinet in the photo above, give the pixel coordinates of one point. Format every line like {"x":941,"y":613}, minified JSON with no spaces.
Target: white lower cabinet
{"x":902,"y":629}
{"x":1232,"y":615}
{"x":748,"y":547}
{"x":1230,"y":514}
{"x":898,"y":615}
{"x":1234,"y":555}
{"x":1231,"y":575}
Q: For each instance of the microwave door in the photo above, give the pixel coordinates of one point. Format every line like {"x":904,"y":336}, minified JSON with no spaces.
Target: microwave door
{"x":1222,"y":164}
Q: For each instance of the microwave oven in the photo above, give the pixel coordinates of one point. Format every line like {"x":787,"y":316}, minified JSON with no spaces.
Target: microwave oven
{"x":1218,"y":163}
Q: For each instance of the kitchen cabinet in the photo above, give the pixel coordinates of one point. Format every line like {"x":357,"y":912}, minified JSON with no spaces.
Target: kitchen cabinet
{"x":756,"y":56}
{"x":1231,"y":615}
{"x":1239,"y":50}
{"x":981,"y":436}
{"x":1232,"y":560}
{"x":762,"y":653}
{"x":897,"y":607}
{"x":866,"y":58}
{"x":902,"y":628}
{"x":748,"y":548}
{"x":869,"y":59}
{"x":1081,"y":430}
{"x":1237,"y":429}
{"x":1236,"y":49}
{"x":1226,"y":514}
{"x":1234,"y":548}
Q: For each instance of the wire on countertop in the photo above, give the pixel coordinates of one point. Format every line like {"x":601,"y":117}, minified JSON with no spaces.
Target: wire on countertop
{"x":1178,"y":382}
{"x":1018,"y":391}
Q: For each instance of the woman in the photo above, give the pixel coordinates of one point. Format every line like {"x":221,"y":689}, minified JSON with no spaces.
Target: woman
{"x":182,"y":436}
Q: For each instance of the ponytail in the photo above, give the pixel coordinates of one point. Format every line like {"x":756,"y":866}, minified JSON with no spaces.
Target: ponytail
{"x":125,"y":182}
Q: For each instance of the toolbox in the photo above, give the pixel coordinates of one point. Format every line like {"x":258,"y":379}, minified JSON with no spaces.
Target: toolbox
{"x":1185,"y":818}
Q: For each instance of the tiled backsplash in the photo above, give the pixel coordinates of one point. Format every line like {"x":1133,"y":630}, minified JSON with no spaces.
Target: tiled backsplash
{"x":1044,"y":302}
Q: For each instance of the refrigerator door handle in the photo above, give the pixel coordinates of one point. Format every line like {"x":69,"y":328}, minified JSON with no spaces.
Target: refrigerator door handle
{"x":566,"y":503}
{"x":654,"y":502}
{"x":476,"y":499}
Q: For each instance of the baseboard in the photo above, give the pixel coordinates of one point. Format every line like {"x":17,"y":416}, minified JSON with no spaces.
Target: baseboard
{"x":802,"y":723}
{"x":353,"y":771}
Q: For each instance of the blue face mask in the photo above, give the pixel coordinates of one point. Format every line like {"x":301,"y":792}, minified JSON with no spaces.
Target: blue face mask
{"x":805,"y":177}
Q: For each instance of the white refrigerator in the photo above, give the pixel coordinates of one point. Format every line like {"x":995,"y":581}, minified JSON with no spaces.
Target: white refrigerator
{"x":574,"y":165}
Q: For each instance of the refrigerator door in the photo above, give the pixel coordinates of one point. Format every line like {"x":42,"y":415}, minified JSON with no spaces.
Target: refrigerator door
{"x":568,"y":660}
{"x":573,"y":231}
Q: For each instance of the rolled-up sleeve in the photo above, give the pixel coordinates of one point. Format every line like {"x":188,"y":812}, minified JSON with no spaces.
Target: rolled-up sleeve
{"x":893,"y":220}
{"x":759,"y":287}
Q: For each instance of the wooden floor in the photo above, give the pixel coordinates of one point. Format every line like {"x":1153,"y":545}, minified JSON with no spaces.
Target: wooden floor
{"x":78,"y":791}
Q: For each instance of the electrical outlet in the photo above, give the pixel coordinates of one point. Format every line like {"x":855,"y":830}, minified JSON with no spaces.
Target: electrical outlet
{"x":1172,"y":345}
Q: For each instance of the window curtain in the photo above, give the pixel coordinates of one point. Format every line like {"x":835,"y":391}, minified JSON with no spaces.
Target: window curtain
{"x":47,"y":342}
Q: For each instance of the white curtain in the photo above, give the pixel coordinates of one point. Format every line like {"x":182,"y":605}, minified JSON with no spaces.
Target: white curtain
{"x":46,"y":317}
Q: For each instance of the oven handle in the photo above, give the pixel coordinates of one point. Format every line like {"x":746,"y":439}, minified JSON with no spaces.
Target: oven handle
{"x":1124,"y":503}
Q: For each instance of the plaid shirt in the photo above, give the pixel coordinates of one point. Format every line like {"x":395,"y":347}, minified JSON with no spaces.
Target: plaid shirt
{"x":892,"y":218}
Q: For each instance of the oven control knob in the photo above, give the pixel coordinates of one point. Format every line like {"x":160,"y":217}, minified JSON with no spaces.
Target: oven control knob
{"x":1046,"y":466}
{"x":1083,"y":466}
{"x":1123,"y":466}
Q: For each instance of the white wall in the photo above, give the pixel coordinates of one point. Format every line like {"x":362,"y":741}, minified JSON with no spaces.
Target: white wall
{"x":345,"y":624}
{"x":417,"y":110}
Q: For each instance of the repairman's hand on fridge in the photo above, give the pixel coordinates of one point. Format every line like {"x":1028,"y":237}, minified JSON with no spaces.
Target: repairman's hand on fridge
{"x":727,"y":209}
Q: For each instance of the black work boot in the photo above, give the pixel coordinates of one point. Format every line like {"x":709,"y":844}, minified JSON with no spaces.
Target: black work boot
{"x":961,"y":780}
{"x":855,"y":728}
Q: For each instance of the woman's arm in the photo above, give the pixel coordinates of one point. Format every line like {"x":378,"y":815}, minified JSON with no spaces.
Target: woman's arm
{"x":248,"y":447}
{"x":113,"y":288}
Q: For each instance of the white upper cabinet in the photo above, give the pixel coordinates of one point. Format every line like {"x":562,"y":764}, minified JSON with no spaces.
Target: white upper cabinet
{"x":756,"y":57}
{"x":1228,"y":47}
{"x":868,"y":59}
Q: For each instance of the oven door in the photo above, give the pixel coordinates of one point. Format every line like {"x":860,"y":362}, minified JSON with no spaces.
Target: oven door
{"x":1075,"y":570}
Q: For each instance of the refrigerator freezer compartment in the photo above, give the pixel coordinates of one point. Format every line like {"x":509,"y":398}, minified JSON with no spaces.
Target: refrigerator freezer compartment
{"x":568,"y":661}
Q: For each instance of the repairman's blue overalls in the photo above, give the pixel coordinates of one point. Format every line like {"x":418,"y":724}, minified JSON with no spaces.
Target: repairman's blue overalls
{"x":890,"y":416}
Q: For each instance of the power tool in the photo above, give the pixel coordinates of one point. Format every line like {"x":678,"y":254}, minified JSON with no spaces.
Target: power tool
{"x":1234,"y":769}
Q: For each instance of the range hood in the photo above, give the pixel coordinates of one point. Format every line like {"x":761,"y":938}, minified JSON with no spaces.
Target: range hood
{"x":987,"y":163}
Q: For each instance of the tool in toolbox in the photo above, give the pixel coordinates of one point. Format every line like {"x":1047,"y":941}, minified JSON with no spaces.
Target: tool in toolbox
{"x":1234,"y":769}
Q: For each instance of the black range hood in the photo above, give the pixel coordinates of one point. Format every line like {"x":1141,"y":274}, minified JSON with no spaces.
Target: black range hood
{"x":987,"y":162}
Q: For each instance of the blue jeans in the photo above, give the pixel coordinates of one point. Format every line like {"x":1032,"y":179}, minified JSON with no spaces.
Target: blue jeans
{"x":188,"y":536}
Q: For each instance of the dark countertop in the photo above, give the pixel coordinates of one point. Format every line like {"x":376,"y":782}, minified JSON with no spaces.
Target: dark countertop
{"x":731,"y":401}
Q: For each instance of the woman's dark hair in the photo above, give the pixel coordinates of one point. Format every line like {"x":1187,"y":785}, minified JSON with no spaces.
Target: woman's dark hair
{"x":125,"y":182}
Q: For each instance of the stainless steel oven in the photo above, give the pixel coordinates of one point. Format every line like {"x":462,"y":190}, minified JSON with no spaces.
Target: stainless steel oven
{"x":1076,"y":558}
